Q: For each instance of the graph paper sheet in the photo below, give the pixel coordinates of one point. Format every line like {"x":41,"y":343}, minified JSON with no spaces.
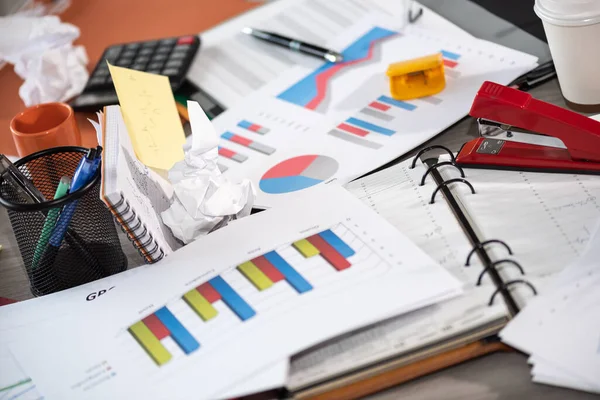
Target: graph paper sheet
{"x":335,"y":122}
{"x":237,"y":301}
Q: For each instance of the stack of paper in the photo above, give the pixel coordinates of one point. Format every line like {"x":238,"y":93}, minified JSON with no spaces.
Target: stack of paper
{"x":561,"y":330}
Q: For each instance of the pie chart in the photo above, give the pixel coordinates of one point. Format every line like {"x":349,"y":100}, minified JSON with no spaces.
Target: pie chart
{"x":298,"y":173}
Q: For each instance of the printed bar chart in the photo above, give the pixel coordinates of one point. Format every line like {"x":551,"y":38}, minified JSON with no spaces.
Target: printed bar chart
{"x":450,"y":55}
{"x":252,"y":127}
{"x":352,"y":129}
{"x":292,"y":276}
{"x":369,"y":126}
{"x":306,"y":248}
{"x":150,"y":343}
{"x":397,"y":103}
{"x":255,"y":275}
{"x":451,"y":62}
{"x":251,"y":144}
{"x":208,"y":292}
{"x":431,"y":100}
{"x":158,"y":328}
{"x":268,"y":269}
{"x":200,"y":305}
{"x":377,"y":114}
{"x":261,"y":272}
{"x":232,"y":155}
{"x":232,"y":299}
{"x":379,"y":106}
{"x":329,"y":253}
{"x":351,"y":138}
{"x":337,"y":243}
{"x":179,"y":333}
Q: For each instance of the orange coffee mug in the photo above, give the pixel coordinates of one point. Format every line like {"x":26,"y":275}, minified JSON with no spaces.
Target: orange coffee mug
{"x":44,"y":126}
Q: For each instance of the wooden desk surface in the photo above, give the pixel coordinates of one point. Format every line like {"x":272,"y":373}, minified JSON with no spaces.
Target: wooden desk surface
{"x":495,"y":377}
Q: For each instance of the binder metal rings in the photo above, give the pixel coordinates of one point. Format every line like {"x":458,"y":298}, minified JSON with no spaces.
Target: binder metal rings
{"x":441,"y":164}
{"x":449,"y":181}
{"x":511,"y":283}
{"x":426,"y":149}
{"x":481,"y":245}
{"x":493,"y":266}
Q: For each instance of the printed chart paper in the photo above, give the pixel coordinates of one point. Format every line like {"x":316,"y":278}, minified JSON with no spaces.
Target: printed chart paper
{"x":237,"y":301}
{"x":335,"y":122}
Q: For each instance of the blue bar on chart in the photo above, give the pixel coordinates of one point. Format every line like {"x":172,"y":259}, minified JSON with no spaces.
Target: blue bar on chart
{"x":369,"y":126}
{"x":232,"y":299}
{"x":253,"y":127}
{"x":292,"y":276}
{"x":450,"y":55}
{"x":337,"y":243}
{"x":179,"y":333}
{"x":397,"y":103}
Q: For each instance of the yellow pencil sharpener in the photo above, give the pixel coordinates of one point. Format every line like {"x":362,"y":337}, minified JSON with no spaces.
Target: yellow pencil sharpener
{"x":418,"y":77}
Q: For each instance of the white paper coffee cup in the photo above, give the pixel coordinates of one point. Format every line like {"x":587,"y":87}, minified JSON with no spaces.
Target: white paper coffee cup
{"x":573,"y":31}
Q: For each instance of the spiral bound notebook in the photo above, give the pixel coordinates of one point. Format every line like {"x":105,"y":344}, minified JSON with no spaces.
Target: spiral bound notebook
{"x":503,"y":233}
{"x":135,"y":194}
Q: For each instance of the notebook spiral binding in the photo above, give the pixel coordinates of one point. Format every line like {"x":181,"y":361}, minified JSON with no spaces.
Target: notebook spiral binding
{"x":491,"y":267}
{"x":149,"y":249}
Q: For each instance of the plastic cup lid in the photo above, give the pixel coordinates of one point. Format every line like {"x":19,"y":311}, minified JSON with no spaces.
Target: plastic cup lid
{"x":568,"y":12}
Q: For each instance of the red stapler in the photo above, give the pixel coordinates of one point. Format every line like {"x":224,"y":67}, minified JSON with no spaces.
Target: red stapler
{"x":522,"y":133}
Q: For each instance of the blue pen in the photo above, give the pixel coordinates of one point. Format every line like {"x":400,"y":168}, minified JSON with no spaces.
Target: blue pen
{"x":83,"y":174}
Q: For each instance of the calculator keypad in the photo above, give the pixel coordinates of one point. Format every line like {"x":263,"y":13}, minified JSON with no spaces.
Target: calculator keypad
{"x":171,"y":57}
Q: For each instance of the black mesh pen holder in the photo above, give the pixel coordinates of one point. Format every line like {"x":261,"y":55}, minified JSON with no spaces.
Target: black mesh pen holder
{"x":88,"y":250}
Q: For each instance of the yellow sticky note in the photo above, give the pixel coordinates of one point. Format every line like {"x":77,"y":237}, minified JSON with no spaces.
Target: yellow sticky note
{"x":150,"y":114}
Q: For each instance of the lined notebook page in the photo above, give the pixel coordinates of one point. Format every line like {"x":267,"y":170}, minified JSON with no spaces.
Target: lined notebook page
{"x":396,"y":195}
{"x":545,"y":218}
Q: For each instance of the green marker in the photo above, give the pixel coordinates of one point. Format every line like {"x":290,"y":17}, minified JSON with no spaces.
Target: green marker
{"x":63,"y":188}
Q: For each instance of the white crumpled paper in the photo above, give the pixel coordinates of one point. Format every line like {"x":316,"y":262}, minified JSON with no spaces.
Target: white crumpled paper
{"x":204,"y":199}
{"x":42,"y":52}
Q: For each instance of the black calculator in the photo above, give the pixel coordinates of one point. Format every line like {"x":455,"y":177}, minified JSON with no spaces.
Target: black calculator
{"x":171,"y":57}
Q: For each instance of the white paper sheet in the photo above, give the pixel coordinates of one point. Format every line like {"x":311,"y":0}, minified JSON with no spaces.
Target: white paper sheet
{"x":232,"y":65}
{"x":560,"y":329}
{"x":396,"y":195}
{"x":97,"y":358}
{"x":25,"y":319}
{"x":328,"y":113}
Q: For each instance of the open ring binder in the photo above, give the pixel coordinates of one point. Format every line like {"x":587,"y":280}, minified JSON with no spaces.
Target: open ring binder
{"x":441,"y":164}
{"x":446,"y":183}
{"x":490,"y":266}
{"x":493,"y":265}
{"x":510,"y":283}
{"x":426,"y":149}
{"x":484,"y":243}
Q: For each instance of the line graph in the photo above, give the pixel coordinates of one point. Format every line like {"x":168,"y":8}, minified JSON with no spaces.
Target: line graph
{"x":311,"y":91}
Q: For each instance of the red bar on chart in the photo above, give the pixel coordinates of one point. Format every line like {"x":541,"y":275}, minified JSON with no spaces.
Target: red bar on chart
{"x":329,"y":253}
{"x":450,"y":63}
{"x":156,"y":327}
{"x":268,"y":269}
{"x":209,"y":292}
{"x":232,"y":155}
{"x":352,"y":129}
{"x":379,"y":106}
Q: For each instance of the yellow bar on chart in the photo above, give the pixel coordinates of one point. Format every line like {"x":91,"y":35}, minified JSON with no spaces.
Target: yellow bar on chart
{"x":306,"y":248}
{"x":150,"y":343}
{"x":255,"y":275}
{"x":199,"y":304}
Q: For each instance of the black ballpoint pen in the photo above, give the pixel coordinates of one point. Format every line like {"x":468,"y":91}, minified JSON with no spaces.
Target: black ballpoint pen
{"x":295,"y":45}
